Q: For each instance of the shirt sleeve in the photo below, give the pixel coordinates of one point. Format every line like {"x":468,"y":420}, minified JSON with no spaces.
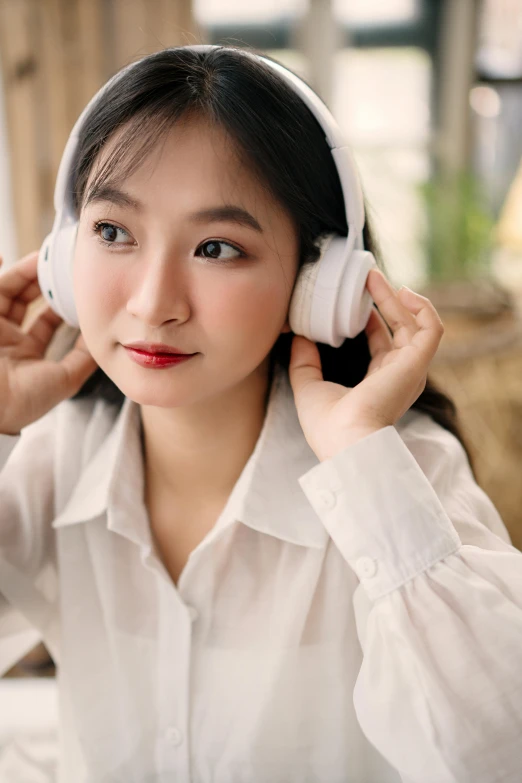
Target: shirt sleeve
{"x":439,"y":692}
{"x":27,"y":574}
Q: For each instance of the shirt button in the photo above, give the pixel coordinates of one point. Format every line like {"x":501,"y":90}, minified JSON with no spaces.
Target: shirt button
{"x":327,"y":498}
{"x":173,"y":736}
{"x":366,"y":567}
{"x":193,"y":613}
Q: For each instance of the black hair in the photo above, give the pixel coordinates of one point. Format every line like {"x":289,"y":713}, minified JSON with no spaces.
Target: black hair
{"x":275,"y":134}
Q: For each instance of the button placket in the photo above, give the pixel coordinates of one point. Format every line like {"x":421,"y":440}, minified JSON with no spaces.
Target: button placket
{"x":174,"y":659}
{"x":173,"y":736}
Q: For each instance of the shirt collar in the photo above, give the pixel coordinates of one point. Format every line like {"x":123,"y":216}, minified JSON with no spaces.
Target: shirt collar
{"x":112,"y":481}
{"x":267,"y":496}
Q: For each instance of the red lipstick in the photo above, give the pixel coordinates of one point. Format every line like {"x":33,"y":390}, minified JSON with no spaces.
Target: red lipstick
{"x":156,"y":348}
{"x":156,"y":355}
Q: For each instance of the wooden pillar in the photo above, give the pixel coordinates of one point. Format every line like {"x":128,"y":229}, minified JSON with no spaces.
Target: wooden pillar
{"x":318,"y":36}
{"x":457,"y":71}
{"x":23,"y":116}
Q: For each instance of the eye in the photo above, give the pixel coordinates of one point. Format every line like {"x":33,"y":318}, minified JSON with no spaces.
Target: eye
{"x":219,"y":250}
{"x":108,"y":233}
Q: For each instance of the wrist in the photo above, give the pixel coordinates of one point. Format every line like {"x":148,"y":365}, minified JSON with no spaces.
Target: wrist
{"x":346,"y":439}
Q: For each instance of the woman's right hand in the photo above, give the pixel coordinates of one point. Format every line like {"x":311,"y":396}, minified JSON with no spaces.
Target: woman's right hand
{"x":31,"y":385}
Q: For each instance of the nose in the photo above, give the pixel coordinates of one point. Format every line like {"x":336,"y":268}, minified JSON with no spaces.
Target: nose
{"x":159,"y":292}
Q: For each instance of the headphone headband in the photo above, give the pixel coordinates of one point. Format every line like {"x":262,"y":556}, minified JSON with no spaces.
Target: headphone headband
{"x":344,"y":315}
{"x":342,"y":154}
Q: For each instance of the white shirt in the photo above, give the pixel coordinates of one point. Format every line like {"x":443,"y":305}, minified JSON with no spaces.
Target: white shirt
{"x":357,"y":620}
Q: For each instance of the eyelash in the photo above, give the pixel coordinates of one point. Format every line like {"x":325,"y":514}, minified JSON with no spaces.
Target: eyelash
{"x":96,"y":228}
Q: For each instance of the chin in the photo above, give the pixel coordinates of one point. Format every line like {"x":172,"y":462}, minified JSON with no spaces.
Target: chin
{"x":149,"y":387}
{"x":156,"y":392}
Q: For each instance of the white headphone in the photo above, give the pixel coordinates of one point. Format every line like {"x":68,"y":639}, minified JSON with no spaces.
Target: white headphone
{"x":329,"y":302}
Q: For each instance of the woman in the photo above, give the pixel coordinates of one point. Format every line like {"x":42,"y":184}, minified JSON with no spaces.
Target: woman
{"x":211,"y":619}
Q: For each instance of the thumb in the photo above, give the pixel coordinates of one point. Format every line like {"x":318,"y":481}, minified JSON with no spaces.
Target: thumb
{"x":78,"y":365}
{"x":305,"y":363}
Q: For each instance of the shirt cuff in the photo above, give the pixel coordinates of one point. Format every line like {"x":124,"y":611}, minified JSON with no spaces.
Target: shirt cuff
{"x":381,"y":511}
{"x":7,"y":444}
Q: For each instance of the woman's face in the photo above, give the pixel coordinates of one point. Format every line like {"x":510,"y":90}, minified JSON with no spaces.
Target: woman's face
{"x":191,"y":251}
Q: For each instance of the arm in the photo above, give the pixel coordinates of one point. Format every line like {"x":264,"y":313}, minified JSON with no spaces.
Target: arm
{"x":439,"y":692}
{"x":31,"y":386}
{"x":27,"y":574}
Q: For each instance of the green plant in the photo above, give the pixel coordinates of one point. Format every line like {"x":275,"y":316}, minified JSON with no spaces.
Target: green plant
{"x":459,"y":228}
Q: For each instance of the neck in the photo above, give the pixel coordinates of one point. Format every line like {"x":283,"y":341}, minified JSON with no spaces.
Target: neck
{"x":197,"y":454}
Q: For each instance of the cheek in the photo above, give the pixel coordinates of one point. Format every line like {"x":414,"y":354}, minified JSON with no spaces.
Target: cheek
{"x":242,"y":306}
{"x":97,"y":290}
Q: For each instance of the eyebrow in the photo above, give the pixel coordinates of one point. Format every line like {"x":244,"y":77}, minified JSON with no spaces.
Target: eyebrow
{"x":226,"y":213}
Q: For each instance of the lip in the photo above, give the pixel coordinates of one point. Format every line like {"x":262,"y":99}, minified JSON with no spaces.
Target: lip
{"x":155,"y":348}
{"x":157,"y":361}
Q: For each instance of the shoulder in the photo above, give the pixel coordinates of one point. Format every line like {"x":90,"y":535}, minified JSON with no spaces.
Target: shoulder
{"x":82,"y":426}
{"x":68,"y":433}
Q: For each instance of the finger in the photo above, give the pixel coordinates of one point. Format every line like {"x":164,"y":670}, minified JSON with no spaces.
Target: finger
{"x":420,"y":306}
{"x":43,"y":328}
{"x":431,"y":328}
{"x":16,"y":280}
{"x":56,"y":381}
{"x":400,"y":320}
{"x":379,"y":338}
{"x":305,"y":362}
{"x":9,"y":334}
{"x":19,"y":306}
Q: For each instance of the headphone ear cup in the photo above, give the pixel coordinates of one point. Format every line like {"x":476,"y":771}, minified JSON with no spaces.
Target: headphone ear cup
{"x":330,"y":301}
{"x":299,"y":315}
{"x":54,"y":271}
{"x":301,"y":302}
{"x":43,"y":268}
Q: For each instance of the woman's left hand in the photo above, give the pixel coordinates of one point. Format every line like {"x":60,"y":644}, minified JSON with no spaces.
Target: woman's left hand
{"x":333,"y":416}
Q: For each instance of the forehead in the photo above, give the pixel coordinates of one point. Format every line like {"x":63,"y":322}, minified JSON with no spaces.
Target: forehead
{"x":192,"y":167}
{"x":192,"y":152}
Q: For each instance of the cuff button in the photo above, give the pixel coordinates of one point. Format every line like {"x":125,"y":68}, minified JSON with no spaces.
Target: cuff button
{"x":327,"y":499}
{"x":366,"y":567}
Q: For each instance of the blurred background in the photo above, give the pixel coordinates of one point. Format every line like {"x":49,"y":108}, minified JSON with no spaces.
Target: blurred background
{"x":429,"y":94}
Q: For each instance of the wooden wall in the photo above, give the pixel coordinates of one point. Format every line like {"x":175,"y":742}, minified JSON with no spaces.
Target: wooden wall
{"x":54,"y":55}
